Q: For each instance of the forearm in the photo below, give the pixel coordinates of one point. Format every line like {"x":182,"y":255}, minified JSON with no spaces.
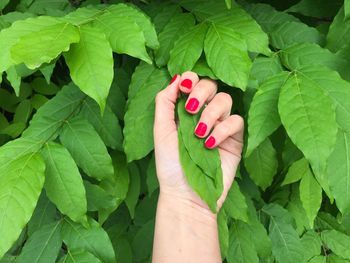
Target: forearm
{"x":184,"y":232}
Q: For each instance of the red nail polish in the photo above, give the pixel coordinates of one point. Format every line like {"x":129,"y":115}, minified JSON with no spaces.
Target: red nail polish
{"x":210,"y":142}
{"x":187,"y":83}
{"x":173,"y":79}
{"x":192,"y":104}
{"x":201,"y":129}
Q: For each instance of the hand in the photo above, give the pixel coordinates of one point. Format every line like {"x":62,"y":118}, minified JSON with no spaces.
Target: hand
{"x":227,"y":134}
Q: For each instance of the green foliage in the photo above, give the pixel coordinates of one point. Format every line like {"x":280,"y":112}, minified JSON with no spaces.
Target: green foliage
{"x":79,"y":79}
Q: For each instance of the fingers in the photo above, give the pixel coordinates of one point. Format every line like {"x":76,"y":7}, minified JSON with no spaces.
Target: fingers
{"x":188,"y":81}
{"x":218,"y":109}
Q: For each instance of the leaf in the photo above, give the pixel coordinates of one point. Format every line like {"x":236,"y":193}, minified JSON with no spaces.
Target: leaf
{"x":296,"y":171}
{"x":241,"y":22}
{"x":97,"y":197}
{"x":337,"y":242}
{"x":132,"y":196}
{"x":143,"y":241}
{"x":223,"y":232}
{"x":23,"y":111}
{"x":45,"y":45}
{"x":90,"y":64}
{"x":240,"y":247}
{"x":235,"y":204}
{"x":146,"y":82}
{"x":187,"y":50}
{"x":43,"y":245}
{"x":176,"y":27}
{"x":310,"y":196}
{"x":338,"y":172}
{"x":10,"y":36}
{"x":312,"y":241}
{"x":63,"y":183}
{"x":81,"y":256}
{"x":264,"y":68}
{"x":262,"y":164}
{"x":263,"y":117}
{"x":165,"y":13}
{"x":133,"y":40}
{"x":22,"y":179}
{"x":107,"y":125}
{"x":203,"y":70}
{"x":316,"y":8}
{"x":347,"y":9}
{"x":141,"y":20}
{"x":290,"y":33}
{"x":92,"y":239}
{"x":286,"y":244}
{"x":87,"y":148}
{"x":309,"y":119}
{"x":338,"y":34}
{"x":226,"y":54}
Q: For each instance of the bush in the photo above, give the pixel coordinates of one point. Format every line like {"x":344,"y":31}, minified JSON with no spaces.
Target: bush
{"x":77,"y":172}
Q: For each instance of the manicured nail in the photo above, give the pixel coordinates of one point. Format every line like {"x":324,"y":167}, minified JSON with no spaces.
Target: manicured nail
{"x":192,"y":104}
{"x":187,"y":83}
{"x":173,"y":79}
{"x":201,"y":129}
{"x":210,"y":142}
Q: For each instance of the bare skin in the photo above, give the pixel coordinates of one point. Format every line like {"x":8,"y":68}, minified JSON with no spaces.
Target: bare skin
{"x":186,"y":229}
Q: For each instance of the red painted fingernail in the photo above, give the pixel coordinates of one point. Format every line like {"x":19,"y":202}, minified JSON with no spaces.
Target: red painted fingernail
{"x":187,"y":83}
{"x":210,"y":142}
{"x":192,"y":104}
{"x":201,"y":129}
{"x":173,"y":79}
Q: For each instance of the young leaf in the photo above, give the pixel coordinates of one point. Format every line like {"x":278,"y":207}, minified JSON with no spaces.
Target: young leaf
{"x":63,"y":183}
{"x":309,"y":118}
{"x":296,"y":171}
{"x":90,"y":64}
{"x":338,"y":35}
{"x":176,"y":27}
{"x":235,"y":204}
{"x":262,"y":164}
{"x":79,"y":255}
{"x":43,"y":245}
{"x":22,"y":179}
{"x":146,"y":82}
{"x":338,"y":242}
{"x":44,"y":45}
{"x":87,"y":148}
{"x":263,"y":117}
{"x":92,"y":239}
{"x":310,"y":196}
{"x":226,"y":54}
{"x":134,"y":190}
{"x":187,"y":50}
{"x":338,"y":172}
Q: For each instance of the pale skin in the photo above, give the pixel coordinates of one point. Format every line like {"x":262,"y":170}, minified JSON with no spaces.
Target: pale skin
{"x":186,"y":229}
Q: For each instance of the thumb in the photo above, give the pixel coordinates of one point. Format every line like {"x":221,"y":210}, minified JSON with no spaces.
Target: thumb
{"x":164,"y":120}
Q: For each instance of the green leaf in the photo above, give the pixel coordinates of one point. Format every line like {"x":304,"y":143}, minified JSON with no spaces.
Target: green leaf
{"x":97,"y":197}
{"x":10,"y":36}
{"x":235,"y":204}
{"x":63,"y":183}
{"x":309,"y":118}
{"x":143,"y":241}
{"x":44,"y":45}
{"x":176,"y":27}
{"x":264,"y":68}
{"x":262,"y":164}
{"x":241,"y":22}
{"x":338,"y":35}
{"x":203,"y":70}
{"x":312,"y":241}
{"x":223,"y":233}
{"x":43,"y":246}
{"x":263,"y":117}
{"x":347,"y":9}
{"x":141,"y":19}
{"x":107,"y":125}
{"x":87,"y":148}
{"x":187,"y":50}
{"x":90,"y":64}
{"x":240,"y":247}
{"x":79,"y":255}
{"x":132,"y":196}
{"x":92,"y":239}
{"x":290,"y":33}
{"x":337,"y":242}
{"x":310,"y":196}
{"x":226,"y":54}
{"x":338,"y":172}
{"x":165,"y":14}
{"x":133,"y":41}
{"x":296,"y":171}
{"x":22,"y":179}
{"x":316,"y":8}
{"x":146,"y":82}
{"x":23,"y":111}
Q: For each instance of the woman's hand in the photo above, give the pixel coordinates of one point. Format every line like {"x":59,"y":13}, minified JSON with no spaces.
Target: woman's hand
{"x":216,"y":124}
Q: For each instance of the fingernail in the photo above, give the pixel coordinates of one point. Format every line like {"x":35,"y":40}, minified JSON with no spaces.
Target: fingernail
{"x":210,"y":142}
{"x":201,"y":129}
{"x":192,"y":104}
{"x":187,"y":83}
{"x":173,"y":79}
